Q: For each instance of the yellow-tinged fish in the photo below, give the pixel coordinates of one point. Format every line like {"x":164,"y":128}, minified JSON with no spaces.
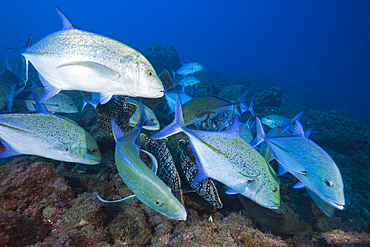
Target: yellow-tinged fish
{"x":47,"y":135}
{"x":227,"y":158}
{"x":73,"y":59}
{"x":149,"y":114}
{"x":208,"y":107}
{"x":143,"y":182}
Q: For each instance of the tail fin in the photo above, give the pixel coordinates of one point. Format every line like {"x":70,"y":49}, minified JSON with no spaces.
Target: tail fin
{"x":239,"y":104}
{"x":173,"y":73}
{"x":175,"y":126}
{"x":260,"y":134}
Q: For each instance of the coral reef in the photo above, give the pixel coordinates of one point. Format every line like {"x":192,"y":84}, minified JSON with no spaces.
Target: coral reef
{"x":162,"y":57}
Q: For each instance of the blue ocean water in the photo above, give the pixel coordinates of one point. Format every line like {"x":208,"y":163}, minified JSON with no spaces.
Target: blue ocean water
{"x":320,"y":47}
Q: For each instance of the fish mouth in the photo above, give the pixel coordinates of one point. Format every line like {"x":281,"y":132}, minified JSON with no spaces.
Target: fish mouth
{"x":273,"y":205}
{"x":181,"y":217}
{"x":335,"y":204}
{"x":94,"y":162}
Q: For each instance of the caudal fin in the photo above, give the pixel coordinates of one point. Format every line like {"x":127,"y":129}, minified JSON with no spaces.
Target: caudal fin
{"x":175,"y":126}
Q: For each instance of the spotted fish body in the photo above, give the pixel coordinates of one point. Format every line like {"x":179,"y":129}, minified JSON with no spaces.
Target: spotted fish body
{"x":227,"y":158}
{"x":142,"y":181}
{"x":73,"y":59}
{"x":49,"y":136}
{"x":205,"y":188}
{"x":167,"y":171}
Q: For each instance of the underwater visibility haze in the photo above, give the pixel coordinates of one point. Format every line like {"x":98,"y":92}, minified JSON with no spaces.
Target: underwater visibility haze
{"x":199,"y":75}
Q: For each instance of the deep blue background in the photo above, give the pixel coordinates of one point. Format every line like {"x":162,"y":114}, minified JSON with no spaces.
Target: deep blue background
{"x":320,"y":46}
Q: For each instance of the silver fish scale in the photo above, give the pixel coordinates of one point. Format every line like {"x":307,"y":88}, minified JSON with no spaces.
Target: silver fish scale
{"x":167,"y":171}
{"x":85,"y":42}
{"x":205,"y":188}
{"x":46,"y":126}
{"x":240,"y":152}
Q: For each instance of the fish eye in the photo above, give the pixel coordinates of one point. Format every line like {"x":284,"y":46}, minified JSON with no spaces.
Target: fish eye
{"x":65,"y":150}
{"x":91,"y":150}
{"x":274,"y":189}
{"x":149,"y":73}
{"x":70,"y":104}
{"x":327,"y":182}
{"x":152,"y":119}
{"x":157,"y":203}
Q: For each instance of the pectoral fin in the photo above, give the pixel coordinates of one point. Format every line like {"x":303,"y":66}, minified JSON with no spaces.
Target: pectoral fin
{"x":100,"y":69}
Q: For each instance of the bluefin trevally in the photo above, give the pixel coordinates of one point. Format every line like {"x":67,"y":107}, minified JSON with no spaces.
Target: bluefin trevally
{"x":149,"y":114}
{"x":47,"y":135}
{"x":143,"y":182}
{"x":227,"y":158}
{"x":73,"y":59}
{"x":59,"y":103}
{"x":207,"y":107}
{"x":189,"y":81}
{"x":308,"y":162}
{"x":189,"y":68}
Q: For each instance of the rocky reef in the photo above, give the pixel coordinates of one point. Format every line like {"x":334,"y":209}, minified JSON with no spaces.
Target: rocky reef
{"x":51,"y":203}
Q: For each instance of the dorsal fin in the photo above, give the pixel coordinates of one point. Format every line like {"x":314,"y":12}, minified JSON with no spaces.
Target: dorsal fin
{"x":66,"y":23}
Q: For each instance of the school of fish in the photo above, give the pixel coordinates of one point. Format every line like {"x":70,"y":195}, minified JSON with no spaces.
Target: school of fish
{"x":226,"y":152}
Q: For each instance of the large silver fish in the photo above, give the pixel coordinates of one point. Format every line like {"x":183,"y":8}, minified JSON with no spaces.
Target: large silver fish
{"x":73,"y":59}
{"x":47,"y":135}
{"x":227,"y":158}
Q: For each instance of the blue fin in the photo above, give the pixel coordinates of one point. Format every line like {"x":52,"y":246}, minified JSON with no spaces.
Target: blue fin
{"x":306,"y":194}
{"x":10,"y":98}
{"x":281,"y":170}
{"x":117,"y":132}
{"x":227,"y":121}
{"x":104,"y":98}
{"x":235,"y":126}
{"x":120,"y":200}
{"x":38,"y":106}
{"x":66,"y":23}
{"x":175,"y":126}
{"x":171,"y":103}
{"x":251,"y":108}
{"x":230,"y":191}
{"x":50,"y":90}
{"x":298,"y":129}
{"x":308,"y":133}
{"x":173,"y":73}
{"x":7,"y":65}
{"x":9,"y":151}
{"x":154,"y":161}
{"x":299,"y":185}
{"x":239,"y":103}
{"x":260,"y":134}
